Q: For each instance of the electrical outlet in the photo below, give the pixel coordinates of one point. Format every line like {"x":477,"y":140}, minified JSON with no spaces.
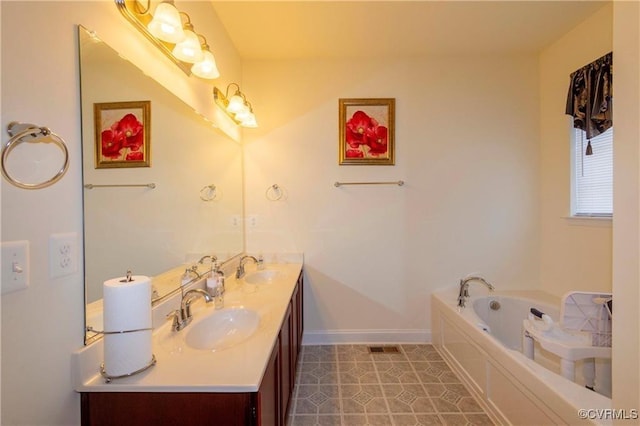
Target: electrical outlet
{"x":63,"y":254}
{"x":252,"y":221}
{"x":15,"y":266}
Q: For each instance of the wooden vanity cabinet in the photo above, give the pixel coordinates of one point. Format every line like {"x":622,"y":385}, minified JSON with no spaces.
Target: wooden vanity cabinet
{"x":267,"y":407}
{"x":167,"y":408}
{"x":287,"y":371}
{"x":296,"y":326}
{"x":268,"y":403}
{"x":275,"y":394}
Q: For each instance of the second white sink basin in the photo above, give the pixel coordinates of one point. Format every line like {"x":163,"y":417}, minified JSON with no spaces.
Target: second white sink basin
{"x":265,"y":276}
{"x":222,"y":329}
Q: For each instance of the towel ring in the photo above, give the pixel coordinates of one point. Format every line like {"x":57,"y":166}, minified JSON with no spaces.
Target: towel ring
{"x":209,"y":193}
{"x":274,"y":192}
{"x":18,"y":132}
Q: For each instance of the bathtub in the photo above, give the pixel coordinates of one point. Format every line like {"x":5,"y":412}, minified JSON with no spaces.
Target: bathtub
{"x":483,"y":347}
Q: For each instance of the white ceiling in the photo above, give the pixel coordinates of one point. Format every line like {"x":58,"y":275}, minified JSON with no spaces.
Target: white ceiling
{"x":339,"y":29}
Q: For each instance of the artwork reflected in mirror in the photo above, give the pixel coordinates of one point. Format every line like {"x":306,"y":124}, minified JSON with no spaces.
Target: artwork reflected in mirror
{"x":122,"y":134}
{"x":160,"y":219}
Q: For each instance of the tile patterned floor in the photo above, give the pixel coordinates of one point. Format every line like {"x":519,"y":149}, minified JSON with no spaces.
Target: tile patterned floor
{"x":347,"y":385}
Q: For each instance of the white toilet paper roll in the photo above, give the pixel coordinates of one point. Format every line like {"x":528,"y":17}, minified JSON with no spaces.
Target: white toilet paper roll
{"x":127,"y":306}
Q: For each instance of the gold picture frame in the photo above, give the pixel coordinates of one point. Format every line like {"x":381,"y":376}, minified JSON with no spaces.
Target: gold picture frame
{"x":122,"y":134}
{"x":366,"y":129}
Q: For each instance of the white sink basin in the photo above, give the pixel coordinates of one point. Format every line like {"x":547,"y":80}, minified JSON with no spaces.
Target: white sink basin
{"x":222,"y":329}
{"x":265,"y":276}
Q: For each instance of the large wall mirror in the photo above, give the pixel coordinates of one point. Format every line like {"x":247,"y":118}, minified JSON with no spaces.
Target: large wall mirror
{"x":193,"y":204}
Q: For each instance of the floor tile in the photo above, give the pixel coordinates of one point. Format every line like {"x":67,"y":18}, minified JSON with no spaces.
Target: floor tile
{"x":428,"y":419}
{"x":355,"y":419}
{"x":479,"y":419}
{"x":347,"y":385}
{"x":332,"y":420}
{"x":453,"y":419}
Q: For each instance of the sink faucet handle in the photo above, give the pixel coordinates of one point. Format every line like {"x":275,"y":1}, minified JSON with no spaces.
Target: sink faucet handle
{"x":176,"y":325}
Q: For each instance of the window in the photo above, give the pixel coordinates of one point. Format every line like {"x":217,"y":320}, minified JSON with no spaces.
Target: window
{"x":592,"y":186}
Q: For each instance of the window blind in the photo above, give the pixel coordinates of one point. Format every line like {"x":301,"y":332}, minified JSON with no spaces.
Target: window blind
{"x":593,"y":174}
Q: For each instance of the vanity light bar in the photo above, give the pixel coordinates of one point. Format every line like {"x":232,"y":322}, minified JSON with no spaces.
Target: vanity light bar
{"x":236,"y":106}
{"x":204,"y":67}
{"x":139,"y":20}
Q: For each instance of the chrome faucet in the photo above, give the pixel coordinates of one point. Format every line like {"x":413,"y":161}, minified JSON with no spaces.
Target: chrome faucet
{"x":193,"y":269}
{"x":212,"y":258}
{"x":464,"y":288}
{"x":182,"y":317}
{"x":240,"y":270}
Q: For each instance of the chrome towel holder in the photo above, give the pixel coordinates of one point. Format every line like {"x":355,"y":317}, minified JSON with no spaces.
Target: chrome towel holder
{"x":26,"y":132}
{"x":209,"y":192}
{"x":339,"y":184}
{"x":274,"y":192}
{"x":126,"y":185}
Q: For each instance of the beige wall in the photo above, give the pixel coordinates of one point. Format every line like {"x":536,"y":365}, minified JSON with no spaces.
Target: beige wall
{"x":626,"y":222}
{"x":467,"y":148}
{"x":574,"y":255}
{"x":43,"y":324}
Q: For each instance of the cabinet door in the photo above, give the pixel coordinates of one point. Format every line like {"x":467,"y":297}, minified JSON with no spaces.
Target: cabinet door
{"x":295,"y":343}
{"x":268,"y":405}
{"x":300,"y":315}
{"x":285,"y":365}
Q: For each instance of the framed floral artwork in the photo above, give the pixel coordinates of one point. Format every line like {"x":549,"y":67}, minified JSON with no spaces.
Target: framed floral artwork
{"x":122,"y":133}
{"x":367,"y":131}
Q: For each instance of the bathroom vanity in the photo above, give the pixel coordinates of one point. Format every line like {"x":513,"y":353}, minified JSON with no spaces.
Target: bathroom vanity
{"x":249,"y":383}
{"x":246,"y":380}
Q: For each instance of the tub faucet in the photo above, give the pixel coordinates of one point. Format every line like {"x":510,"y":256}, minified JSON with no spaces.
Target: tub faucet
{"x":182,"y":317}
{"x":240,"y":270}
{"x":464,"y":288}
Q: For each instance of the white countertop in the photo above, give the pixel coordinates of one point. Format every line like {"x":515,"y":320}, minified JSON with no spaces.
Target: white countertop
{"x":180,"y":368}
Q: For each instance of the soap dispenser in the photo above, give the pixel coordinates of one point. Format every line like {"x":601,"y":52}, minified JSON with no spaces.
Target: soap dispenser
{"x":216,"y":290}
{"x":220,"y":278}
{"x":212,"y":285}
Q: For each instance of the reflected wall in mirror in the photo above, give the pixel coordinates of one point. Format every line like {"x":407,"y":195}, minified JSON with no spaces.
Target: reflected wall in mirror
{"x":195,"y":208}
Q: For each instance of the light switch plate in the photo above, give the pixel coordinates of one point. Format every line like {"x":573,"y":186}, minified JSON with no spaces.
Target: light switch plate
{"x":15,"y":266}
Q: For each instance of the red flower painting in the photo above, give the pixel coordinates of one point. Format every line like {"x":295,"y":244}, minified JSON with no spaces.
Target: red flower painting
{"x":124,"y":136}
{"x":366,"y":131}
{"x":122,"y":139}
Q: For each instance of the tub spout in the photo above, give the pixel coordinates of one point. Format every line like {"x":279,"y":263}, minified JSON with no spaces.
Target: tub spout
{"x":464,"y":288}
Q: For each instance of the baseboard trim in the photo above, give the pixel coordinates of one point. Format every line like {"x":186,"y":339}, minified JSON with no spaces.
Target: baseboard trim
{"x":344,"y":337}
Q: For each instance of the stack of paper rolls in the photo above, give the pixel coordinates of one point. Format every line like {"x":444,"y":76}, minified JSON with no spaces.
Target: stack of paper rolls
{"x":127,"y":307}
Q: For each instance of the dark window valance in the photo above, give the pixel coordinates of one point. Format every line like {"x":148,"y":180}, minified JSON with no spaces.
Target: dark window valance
{"x":590,"y":96}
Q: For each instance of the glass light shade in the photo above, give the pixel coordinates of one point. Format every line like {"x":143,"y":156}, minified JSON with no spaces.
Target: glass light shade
{"x":207,"y":67}
{"x":236,"y":104}
{"x":166,"y":24}
{"x":188,"y":50}
{"x":242,"y":115}
{"x":250,"y":121}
